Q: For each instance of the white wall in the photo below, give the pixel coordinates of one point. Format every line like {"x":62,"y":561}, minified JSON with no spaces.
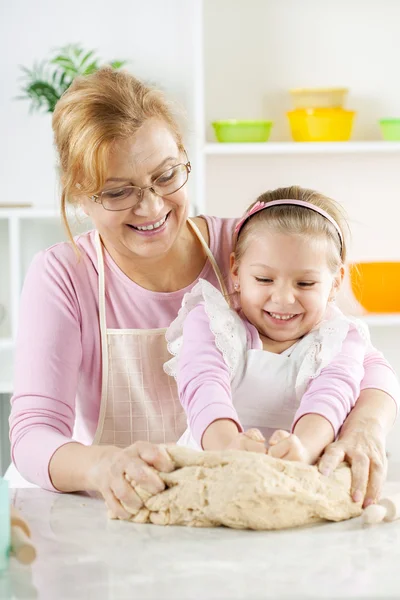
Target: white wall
{"x":155,"y":36}
{"x":255,"y":51}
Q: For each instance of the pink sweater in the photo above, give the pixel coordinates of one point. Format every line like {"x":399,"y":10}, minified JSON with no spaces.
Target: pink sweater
{"x":57,"y":387}
{"x":204,"y":380}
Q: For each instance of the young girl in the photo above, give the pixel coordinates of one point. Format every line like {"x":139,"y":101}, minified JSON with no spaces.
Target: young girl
{"x":287,"y":359}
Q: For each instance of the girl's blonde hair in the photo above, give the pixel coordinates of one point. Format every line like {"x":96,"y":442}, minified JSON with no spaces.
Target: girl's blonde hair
{"x":92,"y":114}
{"x":294,"y":219}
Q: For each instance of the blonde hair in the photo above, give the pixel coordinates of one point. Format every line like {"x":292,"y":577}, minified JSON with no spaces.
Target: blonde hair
{"x":294,"y":219}
{"x":92,"y":114}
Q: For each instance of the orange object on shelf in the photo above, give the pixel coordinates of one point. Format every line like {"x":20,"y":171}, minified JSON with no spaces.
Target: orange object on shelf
{"x":376,"y":286}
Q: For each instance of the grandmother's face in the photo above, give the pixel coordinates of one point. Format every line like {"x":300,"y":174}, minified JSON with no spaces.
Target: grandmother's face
{"x":150,"y":227}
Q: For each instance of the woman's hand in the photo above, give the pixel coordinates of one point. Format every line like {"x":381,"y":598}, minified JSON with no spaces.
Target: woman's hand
{"x":117,"y":470}
{"x":288,"y":446}
{"x":362,"y":445}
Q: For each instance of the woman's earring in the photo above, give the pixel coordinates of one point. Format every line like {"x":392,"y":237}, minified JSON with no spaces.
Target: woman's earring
{"x":236,"y":286}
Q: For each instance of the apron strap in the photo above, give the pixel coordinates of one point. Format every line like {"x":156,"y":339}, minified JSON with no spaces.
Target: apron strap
{"x":102,"y":306}
{"x":103,"y":336}
{"x":210,"y":258}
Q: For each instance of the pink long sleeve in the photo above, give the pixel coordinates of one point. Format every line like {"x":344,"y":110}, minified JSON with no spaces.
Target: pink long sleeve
{"x":379,"y":375}
{"x":58,"y":370}
{"x":203,"y":378}
{"x":335,"y":391}
{"x":57,"y":382}
{"x":48,"y":356}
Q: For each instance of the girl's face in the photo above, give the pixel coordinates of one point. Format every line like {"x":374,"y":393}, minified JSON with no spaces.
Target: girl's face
{"x":285,"y":283}
{"x":139,"y":161}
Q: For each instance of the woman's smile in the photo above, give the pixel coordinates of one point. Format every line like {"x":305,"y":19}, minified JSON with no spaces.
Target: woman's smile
{"x":151,"y":228}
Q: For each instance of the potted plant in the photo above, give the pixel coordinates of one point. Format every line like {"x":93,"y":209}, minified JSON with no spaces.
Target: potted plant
{"x":45,"y":83}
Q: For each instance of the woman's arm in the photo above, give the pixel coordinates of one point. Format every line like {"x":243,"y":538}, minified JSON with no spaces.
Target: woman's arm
{"x":361,"y":442}
{"x":362,"y":439}
{"x":47,"y":368}
{"x":47,"y":359}
{"x":110,"y":471}
{"x":203,"y":379}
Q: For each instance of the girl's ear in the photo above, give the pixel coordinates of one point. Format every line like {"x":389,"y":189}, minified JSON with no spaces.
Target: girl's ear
{"x":337,"y":282}
{"x":234,"y":270}
{"x":339,"y":277}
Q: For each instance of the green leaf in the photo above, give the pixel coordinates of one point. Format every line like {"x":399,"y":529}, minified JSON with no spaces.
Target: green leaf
{"x":76,"y":50}
{"x":91,"y":68}
{"x":63,"y":61}
{"x":117,"y":64}
{"x":27,"y":71}
{"x":46,"y":81}
{"x":87,"y":56}
{"x":41,"y":93}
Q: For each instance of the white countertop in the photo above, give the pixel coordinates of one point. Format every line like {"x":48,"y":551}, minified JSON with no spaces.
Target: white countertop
{"x":83,"y":555}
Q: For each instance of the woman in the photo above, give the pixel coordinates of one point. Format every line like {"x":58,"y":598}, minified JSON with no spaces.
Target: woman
{"x":91,"y":341}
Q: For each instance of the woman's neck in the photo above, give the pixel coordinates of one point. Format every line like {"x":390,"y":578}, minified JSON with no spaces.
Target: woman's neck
{"x":169,"y":273}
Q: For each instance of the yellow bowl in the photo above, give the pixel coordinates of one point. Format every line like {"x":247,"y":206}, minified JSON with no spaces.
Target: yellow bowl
{"x":321,"y":124}
{"x":376,"y":286}
{"x":318,"y":97}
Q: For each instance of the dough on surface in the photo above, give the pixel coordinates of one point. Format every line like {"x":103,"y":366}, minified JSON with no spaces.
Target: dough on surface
{"x":246,"y":490}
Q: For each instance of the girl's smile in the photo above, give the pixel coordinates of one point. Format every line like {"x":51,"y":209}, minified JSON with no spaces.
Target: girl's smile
{"x":285,"y":283}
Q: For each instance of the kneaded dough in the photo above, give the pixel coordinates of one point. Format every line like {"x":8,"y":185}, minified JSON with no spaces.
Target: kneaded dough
{"x":246,"y":490}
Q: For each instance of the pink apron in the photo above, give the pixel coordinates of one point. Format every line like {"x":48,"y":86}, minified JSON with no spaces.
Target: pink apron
{"x":139,"y":401}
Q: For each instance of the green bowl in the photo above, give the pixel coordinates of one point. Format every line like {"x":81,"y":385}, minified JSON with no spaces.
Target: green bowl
{"x":233,"y":131}
{"x":390,"y":129}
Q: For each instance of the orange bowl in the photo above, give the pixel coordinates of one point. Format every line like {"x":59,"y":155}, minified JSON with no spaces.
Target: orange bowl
{"x":376,"y":286}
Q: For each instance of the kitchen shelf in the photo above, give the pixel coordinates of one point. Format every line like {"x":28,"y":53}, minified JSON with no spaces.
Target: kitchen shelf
{"x":6,"y":387}
{"x":275,"y":148}
{"x":6,"y":365}
{"x":6,"y":343}
{"x":381,"y":320}
{"x":30,"y":213}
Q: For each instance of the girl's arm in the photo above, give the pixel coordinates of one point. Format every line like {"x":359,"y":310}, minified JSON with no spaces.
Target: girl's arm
{"x":326,"y":403}
{"x":334,"y":392}
{"x":204,"y":384}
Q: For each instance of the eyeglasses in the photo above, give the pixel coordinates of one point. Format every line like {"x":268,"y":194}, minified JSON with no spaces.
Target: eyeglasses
{"x":129,"y":196}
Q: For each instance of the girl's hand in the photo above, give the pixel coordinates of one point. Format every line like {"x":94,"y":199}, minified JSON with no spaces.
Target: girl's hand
{"x":363,"y":447}
{"x":118,"y":470}
{"x":251,"y":440}
{"x":288,"y":446}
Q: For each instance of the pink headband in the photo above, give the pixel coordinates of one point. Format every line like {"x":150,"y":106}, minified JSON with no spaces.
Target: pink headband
{"x":258,"y":206}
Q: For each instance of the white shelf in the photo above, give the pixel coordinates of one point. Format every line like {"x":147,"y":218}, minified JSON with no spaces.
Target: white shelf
{"x":381,"y":320}
{"x":6,"y":365}
{"x":30,"y":213}
{"x":373,"y":147}
{"x":6,"y":343}
{"x":6,"y":387}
